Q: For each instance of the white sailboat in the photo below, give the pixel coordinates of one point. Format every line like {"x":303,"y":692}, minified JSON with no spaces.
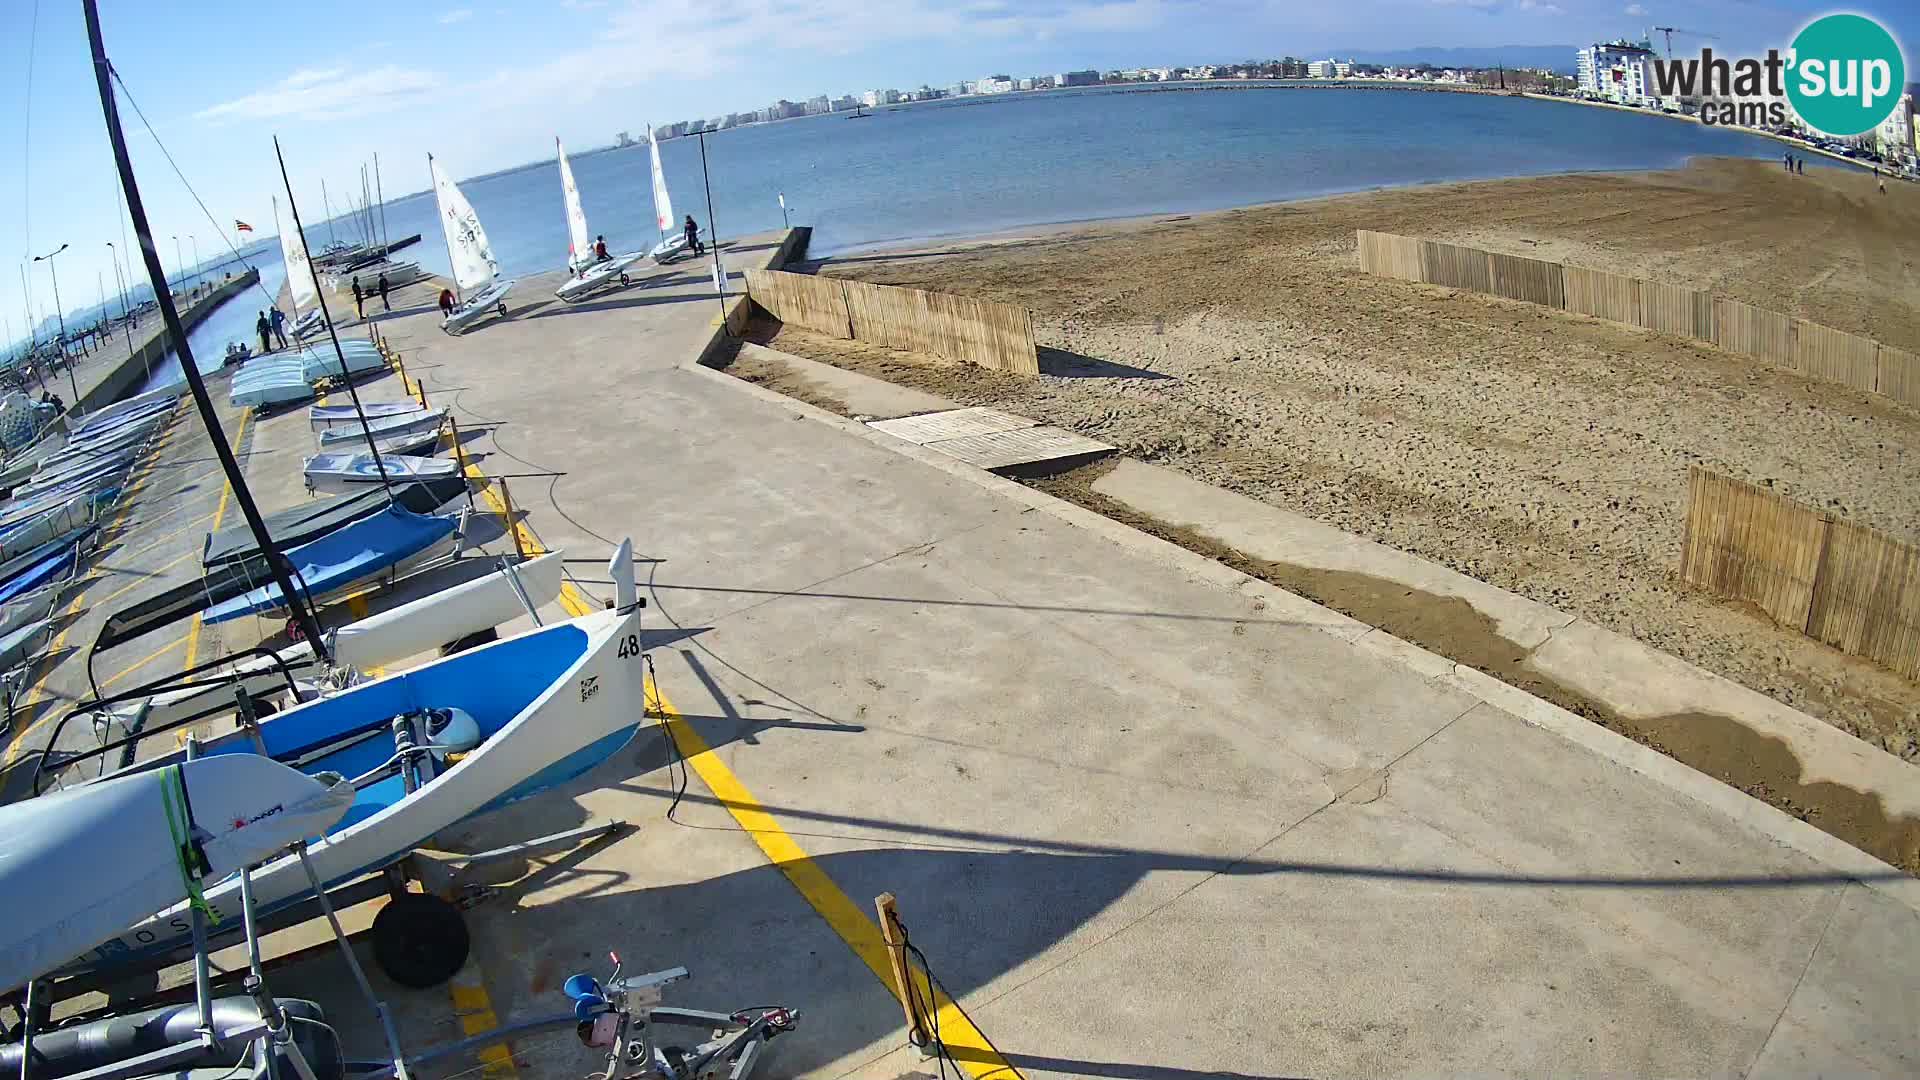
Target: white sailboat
{"x":299,"y":280}
{"x":673,"y":242}
{"x":589,"y":274}
{"x":477,"y":284}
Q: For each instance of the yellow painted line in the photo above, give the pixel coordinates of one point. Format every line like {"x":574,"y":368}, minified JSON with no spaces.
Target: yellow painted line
{"x":145,"y":579}
{"x":475,"y":1010}
{"x":219,"y":513}
{"x":848,"y":919}
{"x":30,"y":705}
{"x":142,"y":662}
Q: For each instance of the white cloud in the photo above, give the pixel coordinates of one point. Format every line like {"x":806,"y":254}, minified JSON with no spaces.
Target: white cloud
{"x":456,"y":15}
{"x":713,"y":37}
{"x":1636,"y":10}
{"x":1542,"y":8}
{"x":331,"y":91}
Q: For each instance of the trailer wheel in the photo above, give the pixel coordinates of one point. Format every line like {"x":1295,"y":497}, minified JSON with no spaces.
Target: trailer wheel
{"x":420,"y":940}
{"x":503,"y":309}
{"x":623,"y":278}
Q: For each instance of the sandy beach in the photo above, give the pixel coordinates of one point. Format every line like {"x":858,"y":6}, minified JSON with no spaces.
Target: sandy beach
{"x":1541,"y":452}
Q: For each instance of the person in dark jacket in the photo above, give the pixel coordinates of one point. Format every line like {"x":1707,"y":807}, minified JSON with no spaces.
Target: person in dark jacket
{"x":265,"y":329}
{"x":359,"y":298}
{"x":383,"y":293}
{"x":693,"y":237}
{"x":279,"y":320}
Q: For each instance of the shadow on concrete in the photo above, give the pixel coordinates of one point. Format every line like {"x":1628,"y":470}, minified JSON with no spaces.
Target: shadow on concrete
{"x":1073,"y":365}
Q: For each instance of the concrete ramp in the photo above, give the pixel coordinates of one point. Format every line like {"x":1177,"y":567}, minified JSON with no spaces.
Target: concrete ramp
{"x":995,"y":440}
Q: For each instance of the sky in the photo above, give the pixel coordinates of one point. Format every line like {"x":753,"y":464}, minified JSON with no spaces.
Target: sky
{"x":488,"y":85}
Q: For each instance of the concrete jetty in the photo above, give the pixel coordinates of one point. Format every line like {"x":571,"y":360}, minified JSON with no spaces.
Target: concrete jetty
{"x":1144,"y":815}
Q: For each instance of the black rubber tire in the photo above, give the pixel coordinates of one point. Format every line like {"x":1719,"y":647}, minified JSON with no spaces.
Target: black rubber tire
{"x":420,"y":940}
{"x":471,"y":641}
{"x":503,"y":309}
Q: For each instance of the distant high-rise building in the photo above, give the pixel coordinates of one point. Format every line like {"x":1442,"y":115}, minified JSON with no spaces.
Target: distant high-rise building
{"x":1077,"y":78}
{"x":1323,"y":69}
{"x":1617,"y":70}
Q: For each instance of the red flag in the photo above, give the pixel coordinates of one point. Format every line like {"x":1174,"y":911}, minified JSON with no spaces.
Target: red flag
{"x":241,"y":226}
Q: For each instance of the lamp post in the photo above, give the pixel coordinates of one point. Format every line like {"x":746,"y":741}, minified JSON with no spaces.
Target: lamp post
{"x":61,"y":314}
{"x":191,"y":239}
{"x":179,"y":263}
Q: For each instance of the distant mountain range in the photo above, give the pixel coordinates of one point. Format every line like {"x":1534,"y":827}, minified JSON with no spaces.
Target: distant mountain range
{"x":1552,"y":57}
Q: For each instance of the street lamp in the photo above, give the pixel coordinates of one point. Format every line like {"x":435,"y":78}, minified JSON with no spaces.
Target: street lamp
{"x":179,"y":263}
{"x":61,"y":313}
{"x":191,"y":239}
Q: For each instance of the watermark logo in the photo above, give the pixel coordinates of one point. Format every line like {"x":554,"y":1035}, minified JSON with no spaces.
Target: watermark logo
{"x":1843,"y":76}
{"x":1847,"y":74}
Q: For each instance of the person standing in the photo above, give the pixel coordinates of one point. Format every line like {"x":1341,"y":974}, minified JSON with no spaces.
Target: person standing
{"x":692,"y":230}
{"x":1787,"y":161}
{"x":1800,"y":165}
{"x":279,"y":320}
{"x":383,"y":291}
{"x":265,"y":330}
{"x":359,"y":299}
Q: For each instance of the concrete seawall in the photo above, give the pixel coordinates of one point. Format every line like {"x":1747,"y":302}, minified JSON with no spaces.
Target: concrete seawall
{"x":120,"y":379}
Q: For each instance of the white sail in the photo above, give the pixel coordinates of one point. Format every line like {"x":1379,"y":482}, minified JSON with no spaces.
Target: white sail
{"x":474,"y":266}
{"x":299,"y":276}
{"x":579,"y":245}
{"x":662,"y":202}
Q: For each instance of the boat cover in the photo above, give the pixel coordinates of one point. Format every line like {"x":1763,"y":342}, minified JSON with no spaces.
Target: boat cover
{"x":315,"y":518}
{"x":49,"y":561}
{"x":108,"y":853}
{"x":322,"y":417}
{"x":341,"y":558}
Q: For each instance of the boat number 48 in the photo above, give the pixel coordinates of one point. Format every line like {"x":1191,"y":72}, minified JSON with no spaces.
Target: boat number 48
{"x":630,"y":647}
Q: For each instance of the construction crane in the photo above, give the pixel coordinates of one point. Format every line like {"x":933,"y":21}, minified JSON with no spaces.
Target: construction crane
{"x":1669,"y":31}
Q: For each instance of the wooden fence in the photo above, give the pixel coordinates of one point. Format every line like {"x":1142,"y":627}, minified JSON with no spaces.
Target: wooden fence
{"x":1818,"y":352}
{"x":992,"y":335}
{"x":1849,"y":586}
{"x":813,"y":303}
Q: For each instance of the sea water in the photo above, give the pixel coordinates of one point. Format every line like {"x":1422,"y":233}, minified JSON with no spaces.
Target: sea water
{"x":973,"y":166}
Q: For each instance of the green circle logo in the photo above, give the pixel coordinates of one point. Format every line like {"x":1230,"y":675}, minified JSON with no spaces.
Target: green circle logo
{"x":1845,"y":75}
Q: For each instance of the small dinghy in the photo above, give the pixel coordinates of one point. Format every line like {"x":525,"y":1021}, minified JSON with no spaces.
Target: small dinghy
{"x":335,"y":473}
{"x":427,"y":749}
{"x":673,"y":242}
{"x":348,"y":557}
{"x":479,"y":290}
{"x":322,"y":417}
{"x":589,"y":274}
{"x":345,"y":436}
{"x":111,"y":851}
{"x":75,"y":512}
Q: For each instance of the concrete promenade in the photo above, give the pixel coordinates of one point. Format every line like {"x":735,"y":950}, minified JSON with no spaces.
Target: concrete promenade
{"x":1145,"y":817}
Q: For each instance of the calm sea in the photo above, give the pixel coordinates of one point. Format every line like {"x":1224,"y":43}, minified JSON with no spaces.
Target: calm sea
{"x":968,"y":167}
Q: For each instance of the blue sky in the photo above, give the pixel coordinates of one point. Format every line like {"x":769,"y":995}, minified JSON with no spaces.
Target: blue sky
{"x":486,"y":85}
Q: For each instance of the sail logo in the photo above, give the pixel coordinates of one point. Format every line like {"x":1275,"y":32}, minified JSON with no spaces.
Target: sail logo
{"x":1843,"y":76}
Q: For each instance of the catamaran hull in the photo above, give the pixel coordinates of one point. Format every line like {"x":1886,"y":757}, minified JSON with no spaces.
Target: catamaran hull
{"x":492,"y":301}
{"x":598,"y":276}
{"x":585,"y":714}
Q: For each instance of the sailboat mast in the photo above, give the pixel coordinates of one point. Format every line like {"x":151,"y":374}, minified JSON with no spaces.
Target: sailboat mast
{"x":326,"y":316}
{"x":156,"y":275}
{"x":443,"y":230}
{"x":386,"y":241}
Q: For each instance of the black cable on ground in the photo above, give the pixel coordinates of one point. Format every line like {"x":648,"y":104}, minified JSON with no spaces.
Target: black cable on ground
{"x":673,"y":747}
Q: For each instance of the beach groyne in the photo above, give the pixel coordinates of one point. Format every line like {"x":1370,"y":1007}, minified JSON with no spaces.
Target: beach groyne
{"x":130,"y":372}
